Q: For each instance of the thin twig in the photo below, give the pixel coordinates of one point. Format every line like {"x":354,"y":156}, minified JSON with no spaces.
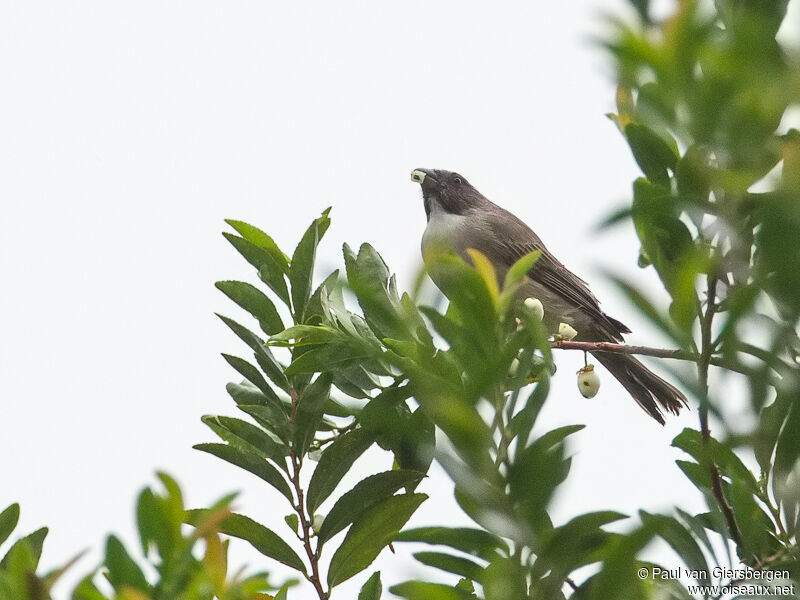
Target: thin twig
{"x":614,"y":348}
{"x":703,"y":362}
{"x":299,"y":508}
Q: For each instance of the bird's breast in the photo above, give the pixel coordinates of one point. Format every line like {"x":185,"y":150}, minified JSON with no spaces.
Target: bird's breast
{"x":443,"y":234}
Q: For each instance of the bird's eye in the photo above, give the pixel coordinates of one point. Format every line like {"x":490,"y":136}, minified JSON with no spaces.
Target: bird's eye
{"x":457,"y":180}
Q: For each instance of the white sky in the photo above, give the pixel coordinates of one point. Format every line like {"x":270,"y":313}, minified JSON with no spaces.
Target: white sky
{"x":130,"y":130}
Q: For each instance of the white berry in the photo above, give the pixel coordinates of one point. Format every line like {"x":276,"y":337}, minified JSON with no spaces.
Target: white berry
{"x":535,"y":306}
{"x":316,"y":522}
{"x":588,"y":382}
{"x":566,"y":331}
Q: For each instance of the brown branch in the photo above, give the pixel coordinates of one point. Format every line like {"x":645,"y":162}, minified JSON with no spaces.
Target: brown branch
{"x":703,"y":362}
{"x":299,"y":508}
{"x":622,"y":349}
{"x":613,"y":348}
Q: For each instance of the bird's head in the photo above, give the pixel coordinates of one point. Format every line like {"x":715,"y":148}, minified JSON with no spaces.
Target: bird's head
{"x":449,"y":191}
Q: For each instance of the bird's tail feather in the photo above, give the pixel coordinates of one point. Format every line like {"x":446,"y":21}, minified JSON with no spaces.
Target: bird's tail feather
{"x":648,"y":389}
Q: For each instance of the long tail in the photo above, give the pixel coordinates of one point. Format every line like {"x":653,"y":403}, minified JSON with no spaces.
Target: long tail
{"x":648,"y":389}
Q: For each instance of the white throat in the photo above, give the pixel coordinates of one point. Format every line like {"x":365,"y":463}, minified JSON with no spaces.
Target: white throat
{"x":442,"y":233}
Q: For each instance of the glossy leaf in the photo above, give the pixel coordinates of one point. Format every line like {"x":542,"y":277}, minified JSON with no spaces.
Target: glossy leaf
{"x":373,"y":530}
{"x":8,"y":521}
{"x":301,"y":270}
{"x":259,"y":238}
{"x":34,"y":542}
{"x":674,"y":533}
{"x":255,"y":302}
{"x":335,"y":462}
{"x":477,"y":542}
{"x":372,"y":588}
{"x":310,"y":408}
{"x":362,"y":496}
{"x":247,"y":437}
{"x":123,"y":572}
{"x":457,"y":565}
{"x":263,"y":356}
{"x":266,"y":541}
{"x":653,"y":155}
{"x":249,"y":461}
{"x":270,"y":268}
{"x":421,"y":590}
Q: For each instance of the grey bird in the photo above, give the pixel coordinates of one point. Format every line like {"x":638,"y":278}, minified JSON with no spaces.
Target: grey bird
{"x":460,"y":217}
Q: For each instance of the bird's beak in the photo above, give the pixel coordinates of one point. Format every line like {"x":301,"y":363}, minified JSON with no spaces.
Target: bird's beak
{"x":426,"y":178}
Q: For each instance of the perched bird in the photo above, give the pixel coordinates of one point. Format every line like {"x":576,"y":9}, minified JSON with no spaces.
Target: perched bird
{"x":460,"y":217}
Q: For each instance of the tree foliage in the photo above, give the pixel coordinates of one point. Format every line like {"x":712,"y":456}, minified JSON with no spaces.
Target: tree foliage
{"x":704,"y":100}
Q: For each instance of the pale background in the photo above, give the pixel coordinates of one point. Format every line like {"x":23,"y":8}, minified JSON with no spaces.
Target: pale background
{"x":130,"y":130}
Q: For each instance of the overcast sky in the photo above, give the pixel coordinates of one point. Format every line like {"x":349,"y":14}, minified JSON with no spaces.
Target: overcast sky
{"x":130,"y":130}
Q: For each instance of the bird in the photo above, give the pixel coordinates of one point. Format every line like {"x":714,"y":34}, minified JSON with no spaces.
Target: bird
{"x":461,"y":218}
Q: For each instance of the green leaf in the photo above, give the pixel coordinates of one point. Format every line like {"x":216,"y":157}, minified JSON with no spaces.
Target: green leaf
{"x":249,"y":461}
{"x":122,"y":569}
{"x":536,"y":472}
{"x":648,"y":308}
{"x":271,"y":418}
{"x":266,"y":541}
{"x":370,"y":280}
{"x":302,"y":335}
{"x":326,"y":358}
{"x":698,"y":530}
{"x":293,"y":522}
{"x":264,"y":357}
{"x":314,"y":304}
{"x":692,"y":174}
{"x":8,"y":521}
{"x":771,"y":421}
{"x":422,"y":590}
{"x":269,"y":267}
{"x":255,"y":302}
{"x":250,"y":373}
{"x":334,"y":463}
{"x":371,"y":590}
{"x":152,"y":525}
{"x":520,"y":269}
{"x":310,"y":408}
{"x":362,"y":496}
{"x":246,"y":394}
{"x":574,"y":544}
{"x":417,"y":445}
{"x":247,"y":437}
{"x":787,"y":450}
{"x":653,"y":155}
{"x":301,"y":270}
{"x":262,"y":240}
{"x":471,"y":541}
{"x":457,"y":565}
{"x":373,"y":530}
{"x":34,"y":541}
{"x":85,"y":590}
{"x":681,"y":540}
{"x":691,"y":441}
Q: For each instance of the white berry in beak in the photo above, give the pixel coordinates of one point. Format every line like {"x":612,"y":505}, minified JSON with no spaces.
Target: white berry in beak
{"x":588,"y":382}
{"x":418,"y":176}
{"x":566,"y":331}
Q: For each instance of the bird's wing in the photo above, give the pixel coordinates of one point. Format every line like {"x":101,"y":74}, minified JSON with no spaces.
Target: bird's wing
{"x":504,"y":242}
